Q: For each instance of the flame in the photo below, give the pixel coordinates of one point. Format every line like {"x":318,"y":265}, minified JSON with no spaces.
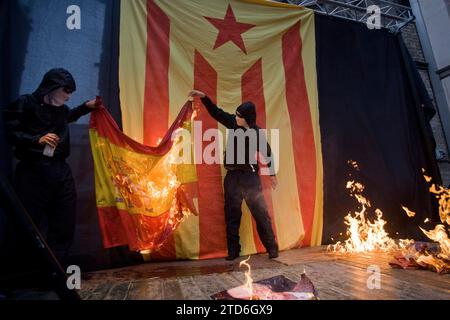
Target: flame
{"x":426,"y":260}
{"x":248,"y":279}
{"x":440,"y":260}
{"x":353,"y":163}
{"x":409,"y":212}
{"x":195,"y":110}
{"x":439,"y":234}
{"x":365,"y":235}
{"x":149,"y":188}
{"x":443,"y":195}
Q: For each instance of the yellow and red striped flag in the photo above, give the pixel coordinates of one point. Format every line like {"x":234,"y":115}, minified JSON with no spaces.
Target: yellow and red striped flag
{"x":235,"y":51}
{"x":142,"y":194}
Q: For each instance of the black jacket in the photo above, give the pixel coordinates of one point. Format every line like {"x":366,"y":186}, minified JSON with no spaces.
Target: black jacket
{"x":28,"y":119}
{"x":229,"y":121}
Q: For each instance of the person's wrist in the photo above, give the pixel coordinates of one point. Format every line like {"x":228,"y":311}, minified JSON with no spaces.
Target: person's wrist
{"x":89,"y":104}
{"x":41,"y":140}
{"x":36,"y":140}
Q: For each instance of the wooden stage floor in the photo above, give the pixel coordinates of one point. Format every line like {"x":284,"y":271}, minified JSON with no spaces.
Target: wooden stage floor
{"x":334,"y":276}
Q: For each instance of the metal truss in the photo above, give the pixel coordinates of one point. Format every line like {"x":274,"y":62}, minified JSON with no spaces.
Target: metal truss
{"x":393,"y":15}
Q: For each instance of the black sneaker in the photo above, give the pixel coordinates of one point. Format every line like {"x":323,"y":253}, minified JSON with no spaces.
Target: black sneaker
{"x":231,"y":257}
{"x":273,"y":253}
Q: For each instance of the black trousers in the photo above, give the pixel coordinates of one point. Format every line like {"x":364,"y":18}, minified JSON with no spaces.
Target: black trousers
{"x":246,"y":185}
{"x":47,"y":190}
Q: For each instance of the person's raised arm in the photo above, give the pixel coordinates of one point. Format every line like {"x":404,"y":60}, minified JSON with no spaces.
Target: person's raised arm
{"x":225,"y":118}
{"x":81,"y":110}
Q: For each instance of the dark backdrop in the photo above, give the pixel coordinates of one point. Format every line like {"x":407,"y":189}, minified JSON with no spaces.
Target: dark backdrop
{"x":370,"y":112}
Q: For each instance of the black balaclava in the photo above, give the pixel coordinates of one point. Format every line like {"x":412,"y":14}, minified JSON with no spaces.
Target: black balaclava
{"x":54,"y":79}
{"x":247,"y":110}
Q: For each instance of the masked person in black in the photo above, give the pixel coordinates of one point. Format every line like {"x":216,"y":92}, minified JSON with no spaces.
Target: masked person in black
{"x":37,"y":128}
{"x":242,"y":179}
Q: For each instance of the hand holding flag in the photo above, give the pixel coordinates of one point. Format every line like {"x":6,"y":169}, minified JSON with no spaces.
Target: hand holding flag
{"x":197,"y":93}
{"x":95,"y":103}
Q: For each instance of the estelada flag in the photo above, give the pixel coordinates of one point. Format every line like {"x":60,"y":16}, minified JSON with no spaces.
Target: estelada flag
{"x":142,"y":194}
{"x":234,"y":51}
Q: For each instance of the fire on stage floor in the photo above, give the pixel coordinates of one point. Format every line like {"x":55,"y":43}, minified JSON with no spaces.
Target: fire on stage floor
{"x":334,"y":277}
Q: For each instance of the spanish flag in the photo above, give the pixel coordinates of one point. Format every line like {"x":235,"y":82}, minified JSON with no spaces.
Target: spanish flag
{"x":142,"y":194}
{"x":234,"y":51}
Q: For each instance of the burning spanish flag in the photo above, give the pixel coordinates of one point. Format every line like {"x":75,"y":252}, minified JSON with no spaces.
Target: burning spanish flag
{"x":142,"y":194}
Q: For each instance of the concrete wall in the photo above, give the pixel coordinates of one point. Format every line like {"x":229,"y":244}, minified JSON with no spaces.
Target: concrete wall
{"x":436,"y":16}
{"x":414,"y":45}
